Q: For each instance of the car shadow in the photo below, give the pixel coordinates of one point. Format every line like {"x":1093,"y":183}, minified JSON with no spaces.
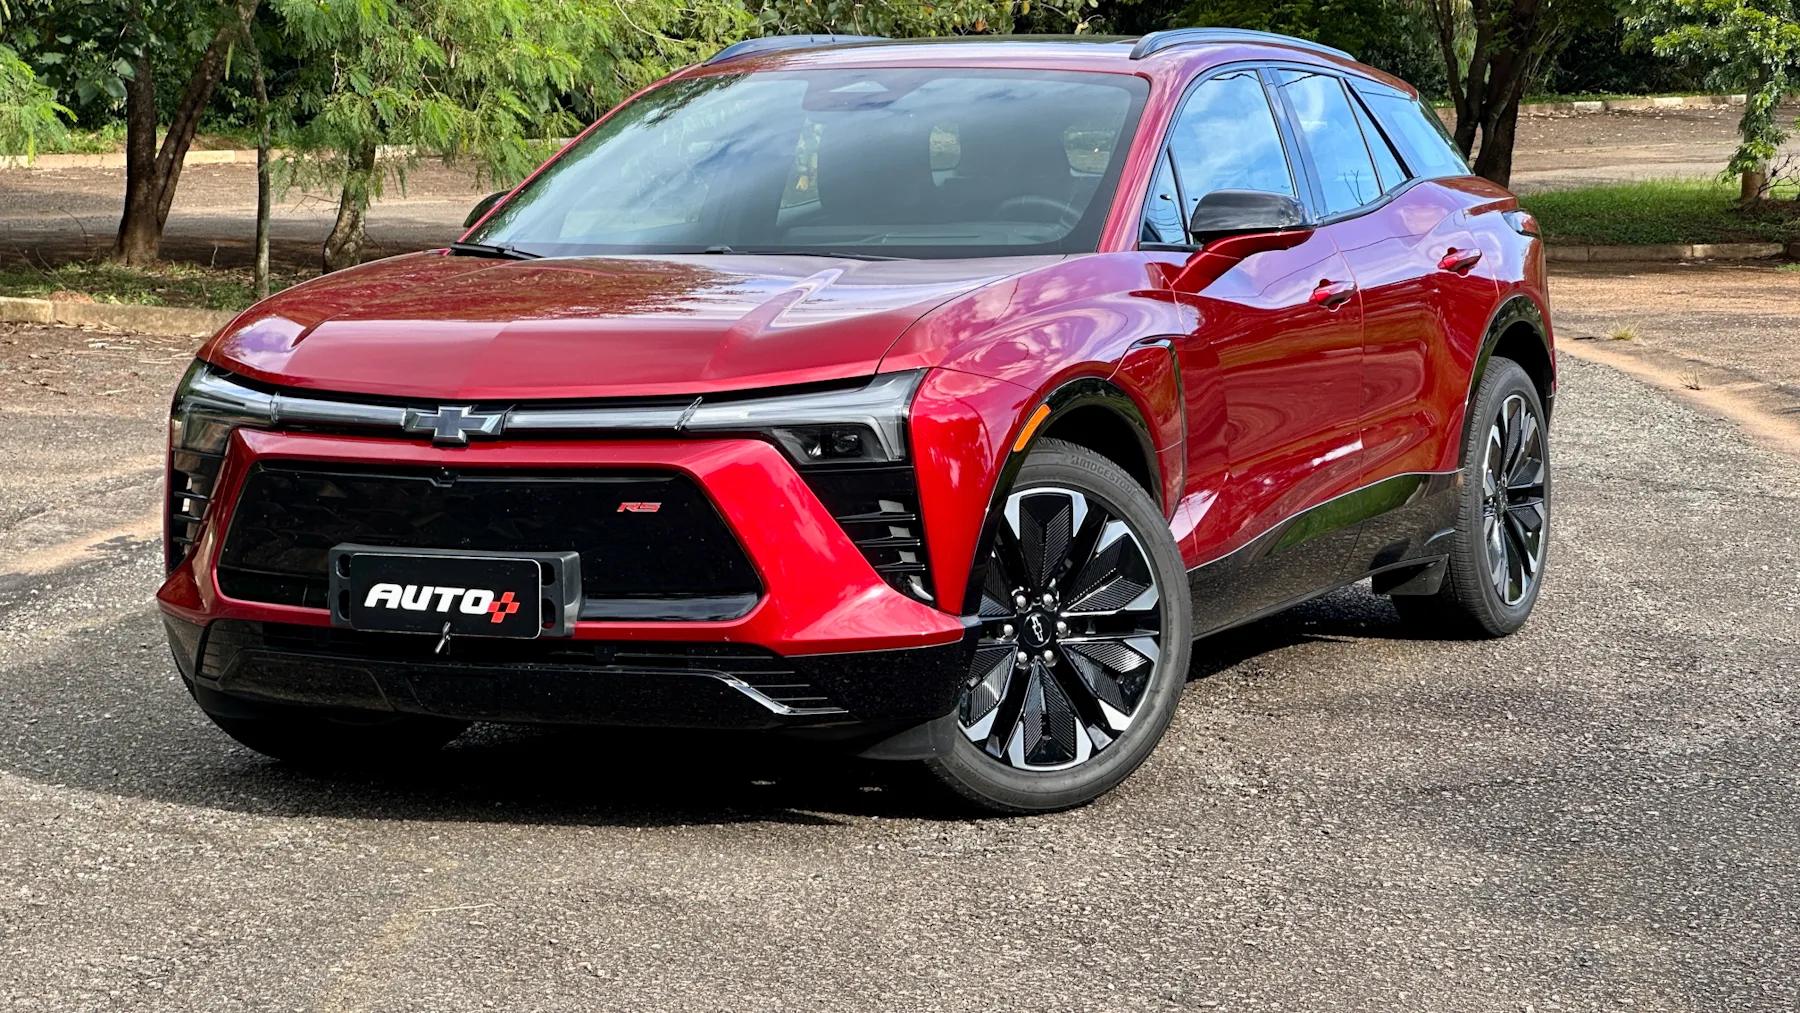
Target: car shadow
{"x":118,"y":723}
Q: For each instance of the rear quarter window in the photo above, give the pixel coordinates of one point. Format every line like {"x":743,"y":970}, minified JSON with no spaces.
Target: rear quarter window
{"x":1417,"y":132}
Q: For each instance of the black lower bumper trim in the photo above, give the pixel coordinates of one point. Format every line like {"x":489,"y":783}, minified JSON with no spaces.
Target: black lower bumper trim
{"x":678,"y":685}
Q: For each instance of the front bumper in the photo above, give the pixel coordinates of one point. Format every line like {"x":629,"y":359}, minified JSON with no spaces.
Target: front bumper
{"x":828,"y":632}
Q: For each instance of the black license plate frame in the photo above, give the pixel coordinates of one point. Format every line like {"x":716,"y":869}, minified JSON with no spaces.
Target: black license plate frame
{"x":465,"y":593}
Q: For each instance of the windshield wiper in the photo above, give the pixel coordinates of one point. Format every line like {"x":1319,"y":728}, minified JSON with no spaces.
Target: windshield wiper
{"x":489,"y":250}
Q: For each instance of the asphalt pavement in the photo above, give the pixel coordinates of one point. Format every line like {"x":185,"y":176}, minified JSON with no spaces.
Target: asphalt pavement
{"x":1597,"y":813}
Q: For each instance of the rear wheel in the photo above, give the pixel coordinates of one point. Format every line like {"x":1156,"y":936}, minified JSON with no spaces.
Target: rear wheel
{"x":1498,"y":552}
{"x":1085,"y":636}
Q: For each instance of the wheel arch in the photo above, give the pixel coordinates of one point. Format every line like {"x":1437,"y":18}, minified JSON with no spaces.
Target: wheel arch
{"x":1089,"y":412}
{"x":1101,"y":416}
{"x":1517,"y":331}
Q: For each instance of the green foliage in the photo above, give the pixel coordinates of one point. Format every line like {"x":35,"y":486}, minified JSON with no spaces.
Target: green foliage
{"x":473,"y":79}
{"x":87,"y":49}
{"x":891,"y":18}
{"x":1659,"y":211}
{"x":1752,"y":45}
{"x":30,"y":116}
{"x":1393,"y":35}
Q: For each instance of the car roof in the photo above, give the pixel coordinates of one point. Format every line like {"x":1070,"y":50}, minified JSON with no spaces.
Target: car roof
{"x":1178,"y":53}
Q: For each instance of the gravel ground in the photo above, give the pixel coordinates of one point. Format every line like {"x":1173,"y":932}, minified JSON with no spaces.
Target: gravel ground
{"x":1729,"y":320}
{"x":1555,"y":152}
{"x":1597,"y":813}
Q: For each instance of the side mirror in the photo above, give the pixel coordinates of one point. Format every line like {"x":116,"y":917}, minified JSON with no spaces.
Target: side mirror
{"x":482,"y":207}
{"x":1236,"y":212}
{"x":1235,"y":224}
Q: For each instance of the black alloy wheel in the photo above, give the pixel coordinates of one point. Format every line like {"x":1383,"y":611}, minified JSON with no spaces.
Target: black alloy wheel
{"x":1499,"y":550}
{"x":1513,"y":480}
{"x":1084,"y":638}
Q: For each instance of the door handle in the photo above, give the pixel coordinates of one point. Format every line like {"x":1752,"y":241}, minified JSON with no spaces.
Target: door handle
{"x":1459,"y":261}
{"x":1332,"y":294}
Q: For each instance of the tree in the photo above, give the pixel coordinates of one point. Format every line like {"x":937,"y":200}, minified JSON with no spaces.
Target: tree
{"x":1393,"y":35}
{"x":1749,"y":44}
{"x":109,"y":53}
{"x":30,"y":116}
{"x":898,"y":19}
{"x":480,"y":80}
{"x":1512,"y":44}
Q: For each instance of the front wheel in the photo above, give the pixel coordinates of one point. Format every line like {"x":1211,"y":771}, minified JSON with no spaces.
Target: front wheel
{"x":1498,"y":551}
{"x":1085,"y":636}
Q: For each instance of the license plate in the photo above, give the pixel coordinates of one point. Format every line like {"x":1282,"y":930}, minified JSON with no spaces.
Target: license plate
{"x":473,"y":596}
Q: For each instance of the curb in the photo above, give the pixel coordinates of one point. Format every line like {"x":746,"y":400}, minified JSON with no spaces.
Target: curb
{"x":1627,"y":105}
{"x":1611,"y":105}
{"x":1669,"y":252}
{"x":165,"y":320}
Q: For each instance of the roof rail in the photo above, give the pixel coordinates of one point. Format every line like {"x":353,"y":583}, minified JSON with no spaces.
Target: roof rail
{"x":1156,"y":42}
{"x":783,"y":43}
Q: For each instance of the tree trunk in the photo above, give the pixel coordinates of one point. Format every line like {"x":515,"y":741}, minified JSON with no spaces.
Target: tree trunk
{"x":138,"y":234}
{"x":261,"y":271}
{"x":1513,"y":41}
{"x":1752,"y":184}
{"x":151,"y":174}
{"x":344,"y":247}
{"x":1498,"y":134}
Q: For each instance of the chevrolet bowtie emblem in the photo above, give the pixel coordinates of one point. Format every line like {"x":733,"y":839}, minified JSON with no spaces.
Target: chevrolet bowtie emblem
{"x":454,"y":423}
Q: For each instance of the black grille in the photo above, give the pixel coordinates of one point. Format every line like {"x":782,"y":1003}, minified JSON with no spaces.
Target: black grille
{"x":191,"y":477}
{"x":878,"y":508}
{"x":678,"y":562}
{"x":763,"y":670}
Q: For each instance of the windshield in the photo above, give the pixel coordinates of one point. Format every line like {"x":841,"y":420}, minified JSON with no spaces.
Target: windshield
{"x":869,"y":162}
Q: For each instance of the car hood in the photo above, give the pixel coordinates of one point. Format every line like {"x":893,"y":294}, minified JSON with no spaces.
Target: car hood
{"x":442,"y":327}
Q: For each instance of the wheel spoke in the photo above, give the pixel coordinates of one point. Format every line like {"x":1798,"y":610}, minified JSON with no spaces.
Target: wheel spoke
{"x":1046,"y":522}
{"x":1525,"y":542}
{"x":1010,"y":555}
{"x":1080,"y":556}
{"x":1514,"y":432}
{"x":1117,"y":576}
{"x":1048,"y":732}
{"x":1496,"y":551}
{"x":988,"y":675}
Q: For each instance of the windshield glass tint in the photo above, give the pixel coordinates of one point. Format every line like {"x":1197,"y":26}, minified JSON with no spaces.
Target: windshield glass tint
{"x":900,"y":162}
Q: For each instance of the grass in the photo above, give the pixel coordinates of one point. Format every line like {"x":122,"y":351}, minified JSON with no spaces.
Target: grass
{"x":1661,"y":211}
{"x":111,"y":138}
{"x":183,"y":285}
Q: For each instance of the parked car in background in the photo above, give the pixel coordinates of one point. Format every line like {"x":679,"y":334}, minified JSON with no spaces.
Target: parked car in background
{"x":925,"y":399}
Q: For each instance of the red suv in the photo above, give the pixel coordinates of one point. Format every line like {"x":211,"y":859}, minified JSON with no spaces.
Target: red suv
{"x":924,"y":398}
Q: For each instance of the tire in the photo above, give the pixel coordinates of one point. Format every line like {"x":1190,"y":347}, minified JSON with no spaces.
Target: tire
{"x":325,"y":740}
{"x":1500,"y":548}
{"x":1104,"y":667}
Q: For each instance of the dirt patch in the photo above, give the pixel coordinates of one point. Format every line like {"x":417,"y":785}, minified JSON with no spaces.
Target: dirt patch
{"x":1724,"y":337}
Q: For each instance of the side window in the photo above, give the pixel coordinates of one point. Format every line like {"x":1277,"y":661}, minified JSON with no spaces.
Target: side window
{"x":1225,"y":138}
{"x":1387,"y":165}
{"x":1345,"y":172}
{"x":1417,"y":132}
{"x":1162,"y":213}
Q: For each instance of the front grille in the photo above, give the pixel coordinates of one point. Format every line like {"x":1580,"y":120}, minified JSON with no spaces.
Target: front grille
{"x":677,"y":562}
{"x":191,"y":477}
{"x":759,"y":668}
{"x":878,"y":507}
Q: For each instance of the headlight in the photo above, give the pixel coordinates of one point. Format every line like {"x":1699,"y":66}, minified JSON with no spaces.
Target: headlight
{"x":208,"y":406}
{"x":833,"y":427}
